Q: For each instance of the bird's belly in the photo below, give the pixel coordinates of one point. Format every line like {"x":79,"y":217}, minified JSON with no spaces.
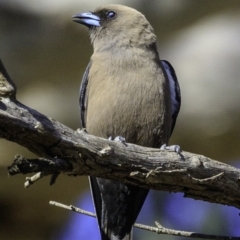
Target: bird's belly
{"x":139,"y":115}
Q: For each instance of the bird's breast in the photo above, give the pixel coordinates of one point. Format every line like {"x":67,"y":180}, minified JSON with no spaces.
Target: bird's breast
{"x":128,"y":98}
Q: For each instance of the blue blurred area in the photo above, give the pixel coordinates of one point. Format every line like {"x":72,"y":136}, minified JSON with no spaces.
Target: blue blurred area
{"x":80,"y":226}
{"x":172,"y":210}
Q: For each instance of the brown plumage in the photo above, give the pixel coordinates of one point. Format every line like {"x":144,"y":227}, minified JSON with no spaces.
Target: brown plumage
{"x":124,"y":92}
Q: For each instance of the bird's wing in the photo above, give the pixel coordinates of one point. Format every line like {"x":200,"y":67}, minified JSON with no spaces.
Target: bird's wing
{"x":83,"y":98}
{"x":174,"y":90}
{"x":96,"y":196}
{"x":83,"y":112}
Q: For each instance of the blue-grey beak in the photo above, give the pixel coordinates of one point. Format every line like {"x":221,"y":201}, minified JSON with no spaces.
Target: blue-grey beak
{"x":88,"y":19}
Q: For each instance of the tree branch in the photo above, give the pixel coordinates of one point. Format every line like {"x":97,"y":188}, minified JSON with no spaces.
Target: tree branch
{"x":63,"y":150}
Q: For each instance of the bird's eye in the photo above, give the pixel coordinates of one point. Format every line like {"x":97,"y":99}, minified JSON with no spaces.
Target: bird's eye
{"x":111,"y":14}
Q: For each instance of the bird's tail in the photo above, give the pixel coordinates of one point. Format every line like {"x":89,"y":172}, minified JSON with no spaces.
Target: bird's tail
{"x":117,"y":206}
{"x":111,"y":236}
{"x":107,"y":232}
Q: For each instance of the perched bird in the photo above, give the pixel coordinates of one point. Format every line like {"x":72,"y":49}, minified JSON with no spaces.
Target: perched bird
{"x":125,"y":91}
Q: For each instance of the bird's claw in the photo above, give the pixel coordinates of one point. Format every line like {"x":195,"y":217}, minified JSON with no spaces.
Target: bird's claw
{"x":174,"y":148}
{"x":110,"y":138}
{"x":118,"y":139}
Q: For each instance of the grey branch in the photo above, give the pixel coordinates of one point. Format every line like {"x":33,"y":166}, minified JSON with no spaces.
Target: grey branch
{"x":159,"y":229}
{"x":63,"y":150}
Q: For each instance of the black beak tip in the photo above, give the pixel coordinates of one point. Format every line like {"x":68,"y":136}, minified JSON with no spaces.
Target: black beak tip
{"x":75,"y":18}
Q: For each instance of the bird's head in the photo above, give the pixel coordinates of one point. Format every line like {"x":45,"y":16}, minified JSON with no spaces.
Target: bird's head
{"x":117,"y":26}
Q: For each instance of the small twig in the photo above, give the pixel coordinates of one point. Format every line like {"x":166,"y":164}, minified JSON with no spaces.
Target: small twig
{"x":163,"y":230}
{"x":159,"y":229}
{"x":42,"y":166}
{"x":54,"y":178}
{"x":33,"y":179}
{"x":45,"y":165}
{"x":72,"y":208}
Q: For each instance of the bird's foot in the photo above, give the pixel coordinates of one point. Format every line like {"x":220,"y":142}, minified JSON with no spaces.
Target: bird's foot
{"x":174,"y":148}
{"x":118,"y":139}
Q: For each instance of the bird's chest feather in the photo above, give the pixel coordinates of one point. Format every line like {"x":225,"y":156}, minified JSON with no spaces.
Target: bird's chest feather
{"x":127,"y":97}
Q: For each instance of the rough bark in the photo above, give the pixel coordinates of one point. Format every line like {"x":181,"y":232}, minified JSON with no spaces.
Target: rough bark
{"x":63,"y":150}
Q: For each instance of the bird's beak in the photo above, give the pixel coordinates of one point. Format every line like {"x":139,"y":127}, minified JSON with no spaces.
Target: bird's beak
{"x":88,"y":19}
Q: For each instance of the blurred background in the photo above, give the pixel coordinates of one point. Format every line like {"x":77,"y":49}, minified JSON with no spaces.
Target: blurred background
{"x":46,"y":54}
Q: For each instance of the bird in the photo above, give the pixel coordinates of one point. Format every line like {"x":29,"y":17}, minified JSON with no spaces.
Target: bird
{"x":125,"y":91}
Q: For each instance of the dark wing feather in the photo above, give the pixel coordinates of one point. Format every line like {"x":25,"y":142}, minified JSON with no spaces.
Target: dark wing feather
{"x":174,"y":91}
{"x":83,"y":112}
{"x":96,"y":196}
{"x":82,"y":97}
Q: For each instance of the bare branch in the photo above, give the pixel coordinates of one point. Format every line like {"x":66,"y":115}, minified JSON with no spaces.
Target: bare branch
{"x":159,"y":229}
